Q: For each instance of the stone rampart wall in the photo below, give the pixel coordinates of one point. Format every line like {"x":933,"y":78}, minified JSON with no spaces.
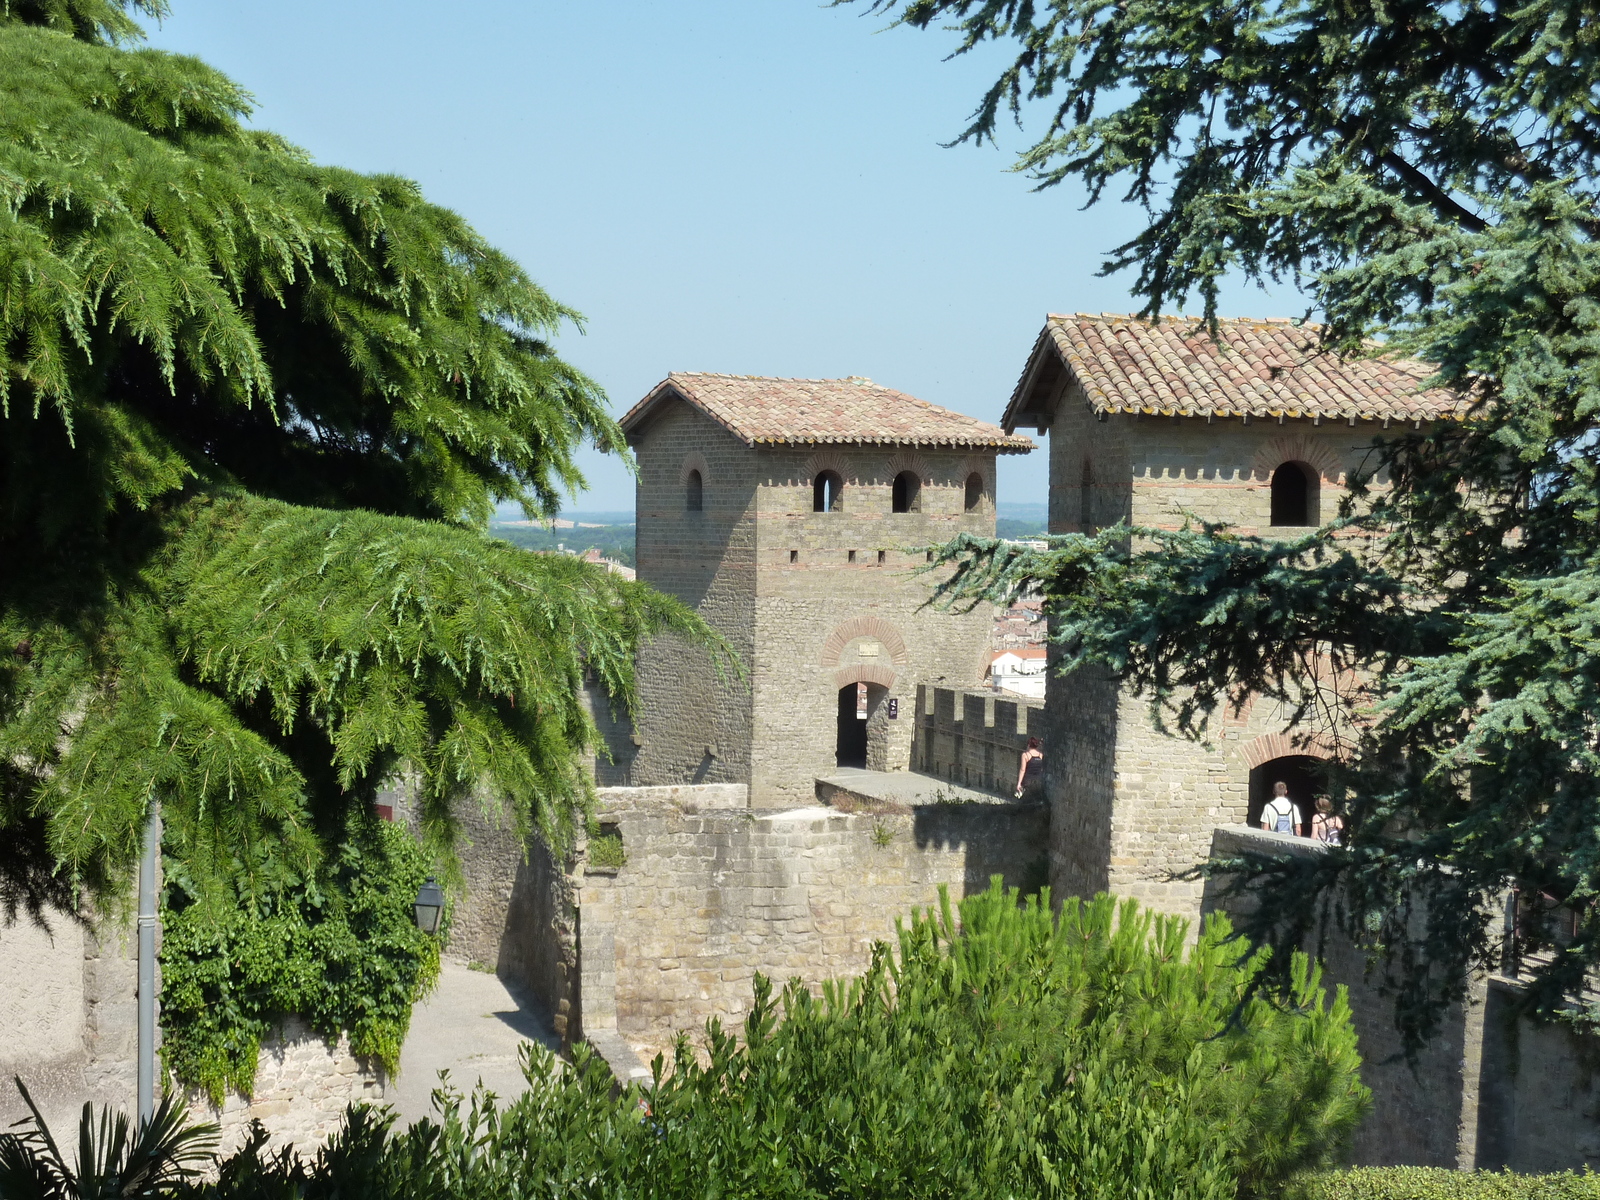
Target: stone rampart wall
{"x":1488,"y":1091}
{"x":974,"y":738}
{"x":711,"y":895}
{"x":1539,"y":1096}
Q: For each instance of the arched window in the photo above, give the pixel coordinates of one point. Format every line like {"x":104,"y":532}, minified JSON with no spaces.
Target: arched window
{"x":1305,"y":777}
{"x":826,"y":492}
{"x":1086,"y":497}
{"x":1294,"y":495}
{"x":974,"y":499}
{"x":907,"y":488}
{"x":694,"y":492}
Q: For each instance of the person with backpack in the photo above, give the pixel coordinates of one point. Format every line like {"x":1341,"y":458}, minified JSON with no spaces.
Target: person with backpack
{"x":1281,"y":815}
{"x":1326,"y":825}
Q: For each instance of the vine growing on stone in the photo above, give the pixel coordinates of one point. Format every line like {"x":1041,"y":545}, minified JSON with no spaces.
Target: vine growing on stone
{"x":338,"y":947}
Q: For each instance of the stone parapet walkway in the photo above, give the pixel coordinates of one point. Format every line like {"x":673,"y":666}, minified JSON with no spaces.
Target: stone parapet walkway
{"x":850,"y":789}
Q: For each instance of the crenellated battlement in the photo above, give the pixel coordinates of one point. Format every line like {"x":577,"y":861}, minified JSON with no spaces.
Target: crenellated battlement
{"x":973,"y":738}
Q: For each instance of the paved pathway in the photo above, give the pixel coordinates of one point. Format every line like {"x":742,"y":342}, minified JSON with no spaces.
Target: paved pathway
{"x":471,"y":1026}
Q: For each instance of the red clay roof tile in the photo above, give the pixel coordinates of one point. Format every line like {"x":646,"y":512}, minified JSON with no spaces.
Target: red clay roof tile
{"x":810,"y":411}
{"x":1254,"y":367}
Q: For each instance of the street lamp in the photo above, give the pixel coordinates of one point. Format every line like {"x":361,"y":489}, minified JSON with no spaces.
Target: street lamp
{"x":429,"y":906}
{"x":145,"y":1072}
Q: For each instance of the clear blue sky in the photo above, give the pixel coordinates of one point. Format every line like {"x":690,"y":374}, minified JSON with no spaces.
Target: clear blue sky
{"x":717,"y":185}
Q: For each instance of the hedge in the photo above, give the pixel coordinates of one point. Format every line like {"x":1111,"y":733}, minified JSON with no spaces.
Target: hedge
{"x":1438,"y":1183}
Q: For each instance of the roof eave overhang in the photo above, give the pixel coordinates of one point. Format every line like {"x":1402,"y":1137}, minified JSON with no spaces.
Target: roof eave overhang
{"x":1021,"y":446}
{"x":637,"y":418}
{"x":1027,"y":406}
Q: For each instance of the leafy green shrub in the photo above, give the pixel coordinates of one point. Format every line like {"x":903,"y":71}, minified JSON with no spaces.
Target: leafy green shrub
{"x":605,"y":847}
{"x":1095,"y":1057}
{"x":1436,"y":1183}
{"x":339,"y":948}
{"x":117,"y":1159}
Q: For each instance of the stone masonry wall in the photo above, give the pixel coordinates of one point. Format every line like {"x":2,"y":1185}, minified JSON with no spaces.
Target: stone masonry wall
{"x":1489,"y":1091}
{"x":1133,"y":807}
{"x":711,"y":895}
{"x":1539,"y":1096}
{"x":839,"y":601}
{"x":1420,"y":1110}
{"x":811,"y":602}
{"x":692,"y":726}
{"x":538,"y":951}
{"x":974,"y":738}
{"x":303,"y":1086}
{"x":68,"y":1006}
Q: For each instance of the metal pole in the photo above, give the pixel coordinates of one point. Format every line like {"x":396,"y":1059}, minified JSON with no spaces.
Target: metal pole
{"x":147,"y":967}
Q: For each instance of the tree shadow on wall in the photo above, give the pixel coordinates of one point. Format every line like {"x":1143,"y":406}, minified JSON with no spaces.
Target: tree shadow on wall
{"x":1008,"y":840}
{"x":31,"y":882}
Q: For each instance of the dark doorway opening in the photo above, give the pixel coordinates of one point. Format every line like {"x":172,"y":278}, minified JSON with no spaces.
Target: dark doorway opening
{"x":1306,"y":777}
{"x":852,"y":745}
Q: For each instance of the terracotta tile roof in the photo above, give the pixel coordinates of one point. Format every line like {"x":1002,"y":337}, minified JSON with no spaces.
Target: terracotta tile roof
{"x":809,"y":411}
{"x":1259,"y":368}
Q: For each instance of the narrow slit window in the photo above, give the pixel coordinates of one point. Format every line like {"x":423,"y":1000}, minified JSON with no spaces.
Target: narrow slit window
{"x":694,"y":492}
{"x":883,"y":557}
{"x":974,"y":496}
{"x":794,"y":556}
{"x":1086,"y":497}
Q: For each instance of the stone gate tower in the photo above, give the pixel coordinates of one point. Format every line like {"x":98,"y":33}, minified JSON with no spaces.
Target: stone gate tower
{"x":786,"y":511}
{"x":1156,"y":424}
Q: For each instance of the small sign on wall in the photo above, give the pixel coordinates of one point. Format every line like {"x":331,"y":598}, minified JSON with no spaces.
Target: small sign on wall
{"x":894,"y":709}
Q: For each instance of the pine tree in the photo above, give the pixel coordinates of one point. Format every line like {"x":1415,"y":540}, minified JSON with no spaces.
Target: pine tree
{"x":254,"y":413}
{"x":1427,"y":171}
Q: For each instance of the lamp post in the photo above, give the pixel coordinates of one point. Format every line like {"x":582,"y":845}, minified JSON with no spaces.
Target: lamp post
{"x":147,"y":966}
{"x":429,"y":907}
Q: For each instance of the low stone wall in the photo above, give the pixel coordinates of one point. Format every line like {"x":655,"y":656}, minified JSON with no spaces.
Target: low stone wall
{"x":68,"y":1009}
{"x":974,"y":738}
{"x":303,"y":1086}
{"x":1488,"y":1091}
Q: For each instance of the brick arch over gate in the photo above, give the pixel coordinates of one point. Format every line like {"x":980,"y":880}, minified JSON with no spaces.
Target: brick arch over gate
{"x":882,"y":676}
{"x":1298,"y":447}
{"x":864,"y":627}
{"x":1279,"y":745}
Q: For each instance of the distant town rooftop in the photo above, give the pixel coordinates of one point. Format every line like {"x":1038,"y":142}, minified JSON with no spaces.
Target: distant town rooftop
{"x":758,"y":411}
{"x":1252,"y":368}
